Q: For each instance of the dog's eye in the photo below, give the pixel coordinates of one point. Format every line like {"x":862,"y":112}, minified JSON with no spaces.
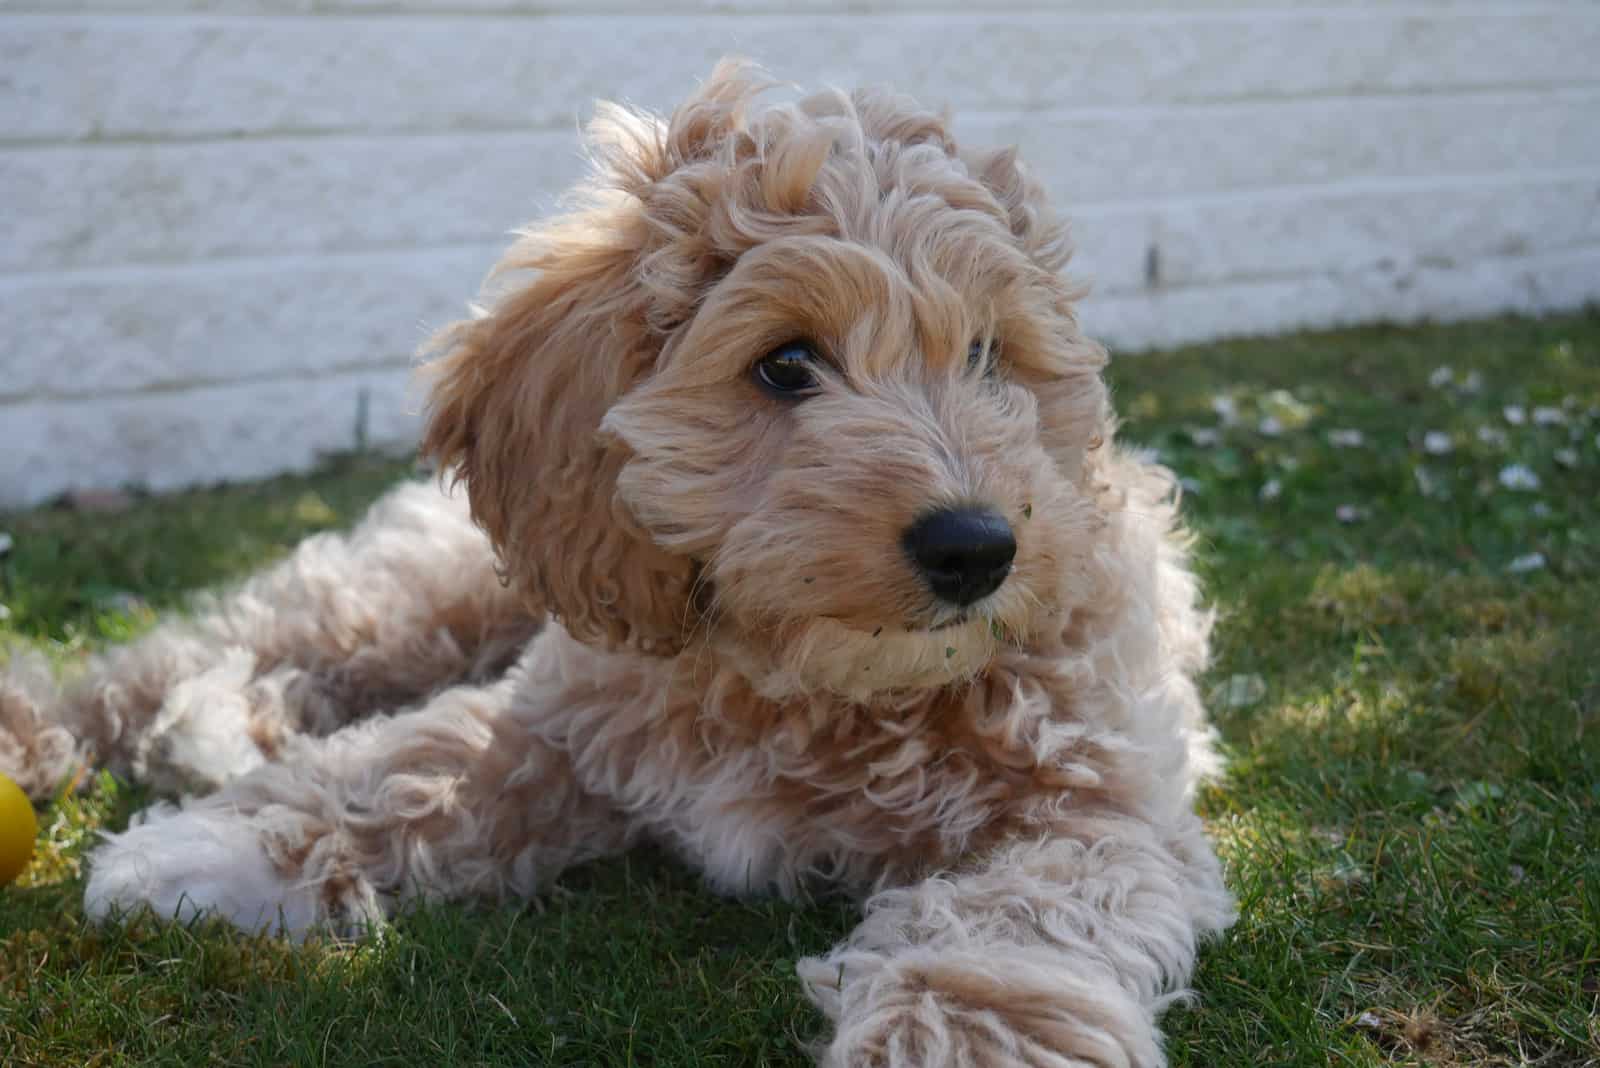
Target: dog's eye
{"x":980,"y":357}
{"x":789,"y":370}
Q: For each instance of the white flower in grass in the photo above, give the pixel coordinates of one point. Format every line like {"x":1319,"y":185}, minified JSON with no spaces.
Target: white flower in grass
{"x":1567,"y":457}
{"x":1226,"y":408}
{"x":1271,"y":490}
{"x":1547,"y":416}
{"x":1441,"y":377}
{"x":1523,"y":564}
{"x":1270,"y":426}
{"x":1346,"y":439}
{"x":1346,"y":872}
{"x":1518,"y":477}
{"x":1287,"y":410}
{"x":1473,"y":383}
{"x":1541,"y":509}
{"x":1515,"y":414}
{"x":1350,"y":513}
{"x":1436,"y":443}
{"x":1203,"y":437}
{"x":1492,"y":436}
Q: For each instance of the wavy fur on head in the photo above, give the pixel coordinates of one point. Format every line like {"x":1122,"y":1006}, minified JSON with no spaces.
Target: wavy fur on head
{"x":708,"y":240}
{"x":745,"y":662}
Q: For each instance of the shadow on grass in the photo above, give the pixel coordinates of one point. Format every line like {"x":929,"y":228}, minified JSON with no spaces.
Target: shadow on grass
{"x":627,"y":961}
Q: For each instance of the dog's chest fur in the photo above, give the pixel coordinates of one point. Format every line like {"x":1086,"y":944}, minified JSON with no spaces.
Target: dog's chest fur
{"x":782,"y":796}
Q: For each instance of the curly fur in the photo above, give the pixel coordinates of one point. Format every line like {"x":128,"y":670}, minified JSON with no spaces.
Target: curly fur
{"x":709,"y":633}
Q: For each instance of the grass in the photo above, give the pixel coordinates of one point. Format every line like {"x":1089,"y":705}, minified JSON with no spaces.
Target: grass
{"x":1409,"y":698}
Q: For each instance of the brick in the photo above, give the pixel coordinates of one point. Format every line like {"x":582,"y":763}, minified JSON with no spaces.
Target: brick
{"x":243,"y":7}
{"x":1559,"y":281}
{"x":1383,"y":225}
{"x":83,"y":78}
{"x":679,"y":7}
{"x":1115,"y":155}
{"x":118,"y":204}
{"x":120,"y":331}
{"x":162,"y":441}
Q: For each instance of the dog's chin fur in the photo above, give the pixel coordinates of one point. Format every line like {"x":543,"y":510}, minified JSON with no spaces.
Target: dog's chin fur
{"x":825,"y":657}
{"x":682,"y":607}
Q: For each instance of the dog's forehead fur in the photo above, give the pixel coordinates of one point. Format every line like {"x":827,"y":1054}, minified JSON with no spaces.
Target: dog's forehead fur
{"x":869,"y":314}
{"x":837,"y":217}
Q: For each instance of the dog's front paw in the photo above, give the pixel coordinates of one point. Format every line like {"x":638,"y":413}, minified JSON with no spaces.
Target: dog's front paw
{"x":1009,"y":1009}
{"x":203,"y":859}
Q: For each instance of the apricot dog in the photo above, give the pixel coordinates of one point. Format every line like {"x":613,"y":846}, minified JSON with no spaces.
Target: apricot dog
{"x":794,"y":538}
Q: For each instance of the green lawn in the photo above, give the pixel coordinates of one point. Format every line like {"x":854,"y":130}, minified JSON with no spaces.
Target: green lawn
{"x":1410,"y":701}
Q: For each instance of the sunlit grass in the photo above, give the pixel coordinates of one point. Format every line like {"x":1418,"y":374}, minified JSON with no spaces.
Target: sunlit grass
{"x":1410,"y":817}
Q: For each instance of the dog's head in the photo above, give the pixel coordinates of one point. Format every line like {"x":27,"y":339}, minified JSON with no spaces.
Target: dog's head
{"x":805,"y":385}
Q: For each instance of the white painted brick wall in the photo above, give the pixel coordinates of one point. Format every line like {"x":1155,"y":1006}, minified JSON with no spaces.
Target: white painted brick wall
{"x":226,"y":222}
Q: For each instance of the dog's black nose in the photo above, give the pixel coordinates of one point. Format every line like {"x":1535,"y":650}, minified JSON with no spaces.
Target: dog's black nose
{"x":963,"y":553}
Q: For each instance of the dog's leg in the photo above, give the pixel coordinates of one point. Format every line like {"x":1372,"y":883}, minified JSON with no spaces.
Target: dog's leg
{"x":405,"y":605}
{"x":1055,"y":952}
{"x":459,"y":798}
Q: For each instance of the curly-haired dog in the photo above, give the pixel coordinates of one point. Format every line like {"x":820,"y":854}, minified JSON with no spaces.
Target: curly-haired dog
{"x":819,"y":567}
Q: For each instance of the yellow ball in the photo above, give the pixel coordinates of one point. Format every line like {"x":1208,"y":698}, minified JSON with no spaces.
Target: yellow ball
{"x":18,"y":826}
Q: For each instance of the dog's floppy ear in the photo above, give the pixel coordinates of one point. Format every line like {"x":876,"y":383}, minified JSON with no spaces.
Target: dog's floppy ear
{"x":518,"y":393}
{"x":516,"y":402}
{"x":516,"y":399}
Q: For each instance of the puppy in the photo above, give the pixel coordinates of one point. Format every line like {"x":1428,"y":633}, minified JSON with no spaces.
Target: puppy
{"x":793,"y":537}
